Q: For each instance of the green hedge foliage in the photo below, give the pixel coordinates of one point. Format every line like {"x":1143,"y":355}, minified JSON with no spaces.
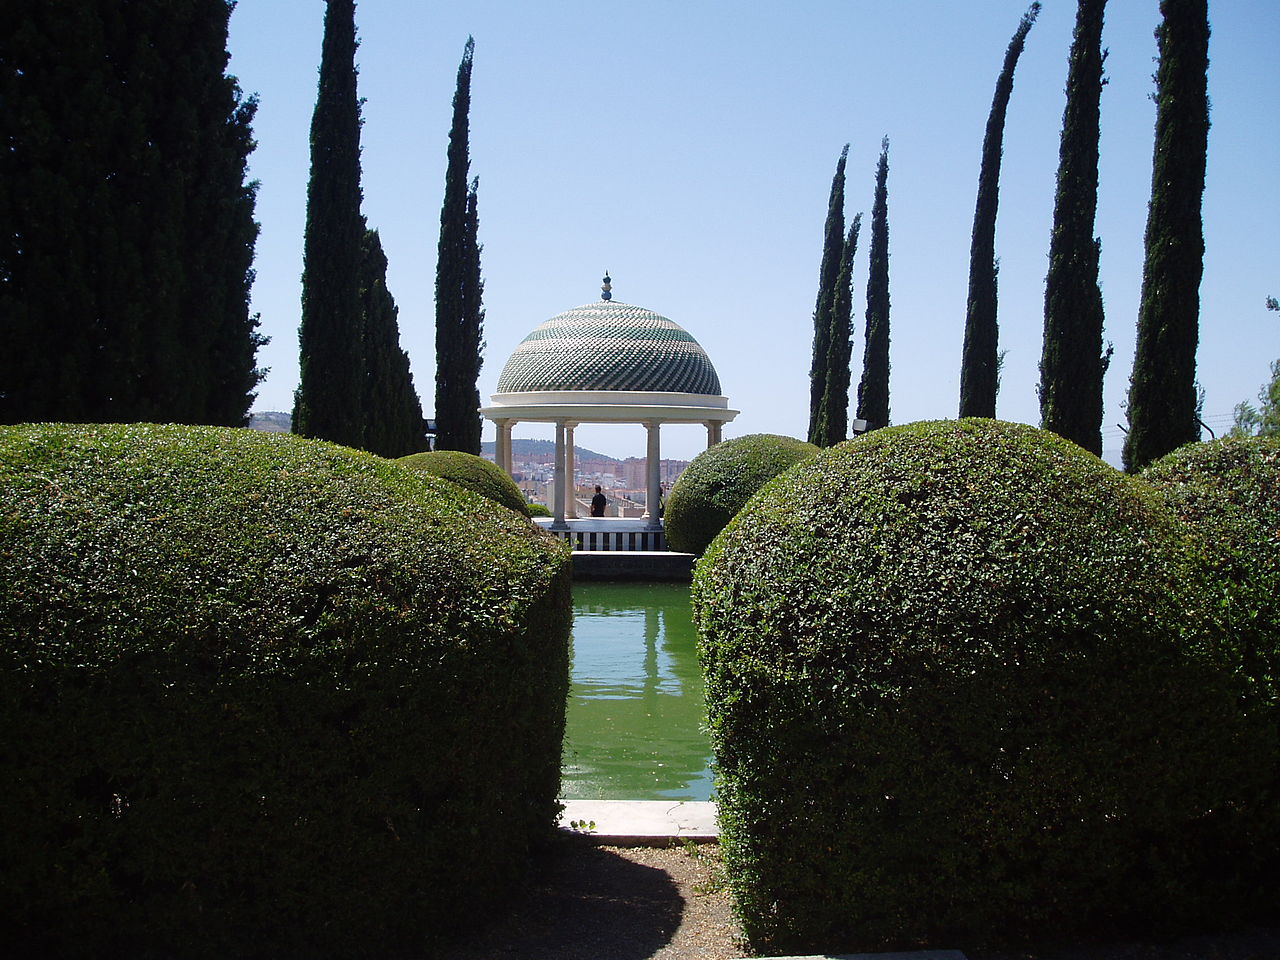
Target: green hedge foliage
{"x":474,"y":473}
{"x":538,"y":510}
{"x":1228,"y":492}
{"x":720,"y":480}
{"x":950,"y":703}
{"x":264,"y":696}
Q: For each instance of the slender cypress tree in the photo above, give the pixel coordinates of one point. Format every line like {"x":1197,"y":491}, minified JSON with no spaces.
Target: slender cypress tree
{"x":828,"y":273}
{"x":1072,"y":363}
{"x":1162,"y":388}
{"x":459,"y":318}
{"x":394,"y":425}
{"x":470,"y":356}
{"x":126,"y":225}
{"x":873,"y":389}
{"x":329,"y":401}
{"x":161,"y":382}
{"x":833,"y":414}
{"x":220,"y":238}
{"x":979,"y":367}
{"x":56,"y":202}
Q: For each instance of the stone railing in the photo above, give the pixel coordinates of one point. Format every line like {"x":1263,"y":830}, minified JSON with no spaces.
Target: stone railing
{"x":607,"y":534}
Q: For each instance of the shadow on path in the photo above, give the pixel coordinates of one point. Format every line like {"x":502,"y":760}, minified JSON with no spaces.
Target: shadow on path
{"x":584,"y":903}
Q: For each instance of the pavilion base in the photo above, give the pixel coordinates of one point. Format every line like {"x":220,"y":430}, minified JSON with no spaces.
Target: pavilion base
{"x":649,"y":565}
{"x":616,"y":535}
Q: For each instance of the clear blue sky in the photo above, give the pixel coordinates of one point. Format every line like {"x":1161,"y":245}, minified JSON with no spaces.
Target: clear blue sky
{"x":688,"y":147}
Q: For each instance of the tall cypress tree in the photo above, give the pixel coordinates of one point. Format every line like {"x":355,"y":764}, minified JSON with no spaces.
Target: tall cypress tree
{"x":394,"y":426}
{"x":833,"y":413}
{"x":1162,"y":388}
{"x":126,"y":225}
{"x":873,"y":389}
{"x":151,"y":232}
{"x":979,"y":366}
{"x":57,"y":103}
{"x":828,"y":273}
{"x":220,"y":238}
{"x":1072,"y":363}
{"x":329,"y":401}
{"x":470,"y":356}
{"x":459,"y":318}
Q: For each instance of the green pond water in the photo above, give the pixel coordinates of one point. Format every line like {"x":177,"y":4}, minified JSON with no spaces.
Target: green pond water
{"x":636,"y":714}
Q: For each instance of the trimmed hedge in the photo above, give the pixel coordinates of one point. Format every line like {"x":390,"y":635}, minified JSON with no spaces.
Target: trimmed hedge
{"x":264,"y":696}
{"x":1228,"y":492}
{"x":720,"y":480}
{"x":950,"y":705}
{"x":538,"y":510}
{"x":474,"y":473}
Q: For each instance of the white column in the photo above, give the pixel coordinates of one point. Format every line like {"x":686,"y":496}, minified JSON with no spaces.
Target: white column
{"x":713,"y":432}
{"x":571,"y":503}
{"x":653,"y":467}
{"x":502,"y":445}
{"x":558,"y":522}
{"x":506,"y":453}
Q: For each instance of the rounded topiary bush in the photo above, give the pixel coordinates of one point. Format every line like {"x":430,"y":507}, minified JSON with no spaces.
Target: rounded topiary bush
{"x":720,"y":480}
{"x":1228,"y":492}
{"x":538,"y":510}
{"x":264,"y":696}
{"x":474,"y":473}
{"x":949,"y":703}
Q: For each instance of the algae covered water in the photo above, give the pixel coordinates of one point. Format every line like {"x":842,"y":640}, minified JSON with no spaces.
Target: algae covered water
{"x":636,"y":715}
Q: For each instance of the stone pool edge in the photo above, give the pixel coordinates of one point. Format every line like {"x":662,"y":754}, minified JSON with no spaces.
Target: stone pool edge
{"x":640,"y":822}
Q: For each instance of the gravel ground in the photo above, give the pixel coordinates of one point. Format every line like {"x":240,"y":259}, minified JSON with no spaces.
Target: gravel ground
{"x":589,"y":902}
{"x":611,"y":903}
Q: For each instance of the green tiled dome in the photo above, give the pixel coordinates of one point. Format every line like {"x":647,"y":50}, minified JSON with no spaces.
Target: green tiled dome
{"x":608,"y":345}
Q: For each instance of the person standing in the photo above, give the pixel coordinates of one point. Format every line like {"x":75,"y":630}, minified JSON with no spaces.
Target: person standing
{"x":598,"y":503}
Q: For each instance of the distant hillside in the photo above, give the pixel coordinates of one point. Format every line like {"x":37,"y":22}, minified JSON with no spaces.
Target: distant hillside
{"x":272,"y":421}
{"x":543,"y":451}
{"x":529,"y":451}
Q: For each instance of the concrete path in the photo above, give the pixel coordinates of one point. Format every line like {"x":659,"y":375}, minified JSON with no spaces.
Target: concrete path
{"x":641,"y":822}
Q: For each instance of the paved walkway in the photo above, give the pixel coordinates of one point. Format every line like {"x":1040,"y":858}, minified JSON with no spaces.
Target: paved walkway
{"x":641,"y":822}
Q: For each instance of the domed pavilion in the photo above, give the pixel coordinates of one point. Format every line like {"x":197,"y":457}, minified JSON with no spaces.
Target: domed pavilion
{"x":607,"y":362}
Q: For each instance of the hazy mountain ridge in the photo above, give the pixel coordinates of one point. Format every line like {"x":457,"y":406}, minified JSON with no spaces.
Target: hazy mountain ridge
{"x":544,"y":451}
{"x":529,"y":451}
{"x":271,"y":421}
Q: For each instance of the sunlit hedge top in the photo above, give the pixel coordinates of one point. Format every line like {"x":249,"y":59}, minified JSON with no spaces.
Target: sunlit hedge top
{"x":1236,"y":477}
{"x":474,"y":473}
{"x":720,"y":480}
{"x":229,"y":536}
{"x":953,"y":702}
{"x":1228,"y":492}
{"x":269,"y":686}
{"x":932,"y":543}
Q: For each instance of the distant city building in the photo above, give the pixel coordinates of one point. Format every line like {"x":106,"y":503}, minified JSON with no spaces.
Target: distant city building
{"x":633,"y":471}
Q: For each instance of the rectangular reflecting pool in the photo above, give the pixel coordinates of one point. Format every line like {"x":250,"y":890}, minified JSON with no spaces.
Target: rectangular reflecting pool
{"x":636,"y":713}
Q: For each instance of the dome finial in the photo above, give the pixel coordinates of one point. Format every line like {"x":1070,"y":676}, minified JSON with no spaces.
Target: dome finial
{"x":605,"y":293}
